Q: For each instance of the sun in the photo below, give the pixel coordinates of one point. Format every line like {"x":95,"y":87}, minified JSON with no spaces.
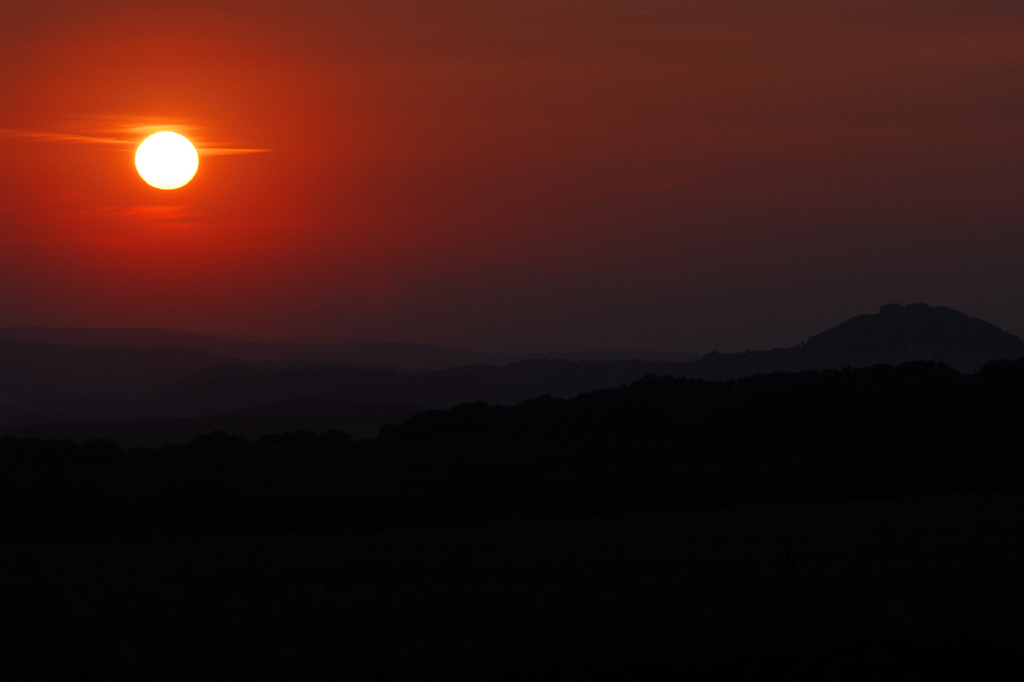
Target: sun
{"x":167,"y":160}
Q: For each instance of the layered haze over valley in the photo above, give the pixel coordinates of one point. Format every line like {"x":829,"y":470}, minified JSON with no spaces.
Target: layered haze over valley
{"x":151,"y":386}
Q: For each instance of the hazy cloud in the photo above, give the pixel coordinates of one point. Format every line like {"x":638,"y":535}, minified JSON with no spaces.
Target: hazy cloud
{"x":128,"y":135}
{"x":59,"y":137}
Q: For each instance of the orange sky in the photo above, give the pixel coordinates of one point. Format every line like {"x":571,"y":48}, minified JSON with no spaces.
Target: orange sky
{"x":513,"y":175}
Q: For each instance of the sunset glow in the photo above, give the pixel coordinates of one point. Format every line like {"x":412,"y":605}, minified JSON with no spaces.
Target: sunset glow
{"x":167,"y":160}
{"x":602,"y":336}
{"x":511,"y":175}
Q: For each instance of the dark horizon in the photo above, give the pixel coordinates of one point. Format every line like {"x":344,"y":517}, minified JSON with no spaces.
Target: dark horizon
{"x":17,"y":333}
{"x":160,"y":335}
{"x":104,"y":380}
{"x":837,"y":522}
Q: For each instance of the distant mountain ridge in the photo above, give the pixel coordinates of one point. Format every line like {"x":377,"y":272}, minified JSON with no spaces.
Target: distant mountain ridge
{"x":916,"y":329}
{"x":146,"y":375}
{"x":894,"y":335}
{"x":79,"y":376}
{"x":412,"y":356}
{"x":400,"y":355}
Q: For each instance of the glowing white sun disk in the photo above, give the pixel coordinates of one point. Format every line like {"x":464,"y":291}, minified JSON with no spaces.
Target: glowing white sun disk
{"x":167,"y":160}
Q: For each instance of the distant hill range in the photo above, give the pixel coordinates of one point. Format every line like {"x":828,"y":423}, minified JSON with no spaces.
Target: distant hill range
{"x":399,"y":355}
{"x":50,"y":376}
{"x":896,"y":334}
{"x":414,"y":356}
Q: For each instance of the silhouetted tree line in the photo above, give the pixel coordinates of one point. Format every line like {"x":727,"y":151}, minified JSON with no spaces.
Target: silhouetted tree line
{"x":658,"y":443}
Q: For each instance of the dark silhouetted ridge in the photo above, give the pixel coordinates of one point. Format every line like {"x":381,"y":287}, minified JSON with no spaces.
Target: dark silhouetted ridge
{"x":156,"y":374}
{"x":894,"y":335}
{"x":921,"y":332}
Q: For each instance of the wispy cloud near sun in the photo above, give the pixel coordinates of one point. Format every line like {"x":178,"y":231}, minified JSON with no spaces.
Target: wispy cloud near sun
{"x":59,"y":137}
{"x":127,"y":132}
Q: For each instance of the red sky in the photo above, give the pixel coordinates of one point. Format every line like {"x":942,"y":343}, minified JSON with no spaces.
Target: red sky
{"x":588,"y":174}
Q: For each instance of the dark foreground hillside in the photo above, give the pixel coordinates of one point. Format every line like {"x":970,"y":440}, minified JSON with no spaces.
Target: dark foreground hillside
{"x":921,"y":589}
{"x":659,"y":443}
{"x":860,"y":522}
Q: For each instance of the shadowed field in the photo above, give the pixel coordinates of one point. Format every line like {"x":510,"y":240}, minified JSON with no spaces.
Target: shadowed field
{"x":849,"y":591}
{"x":847,"y":524}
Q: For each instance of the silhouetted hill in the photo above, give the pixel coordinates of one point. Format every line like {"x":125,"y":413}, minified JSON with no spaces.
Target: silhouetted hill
{"x":71,"y":376}
{"x":218,"y":389}
{"x":657,"y":443}
{"x":44,"y":384}
{"x":919,"y":332}
{"x":791,"y":523}
{"x":148,"y":379}
{"x":784,"y":523}
{"x":896,"y":334}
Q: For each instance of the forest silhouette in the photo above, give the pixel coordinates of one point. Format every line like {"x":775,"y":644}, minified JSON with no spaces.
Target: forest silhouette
{"x":660,"y":442}
{"x":840,"y":520}
{"x":127,"y":385}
